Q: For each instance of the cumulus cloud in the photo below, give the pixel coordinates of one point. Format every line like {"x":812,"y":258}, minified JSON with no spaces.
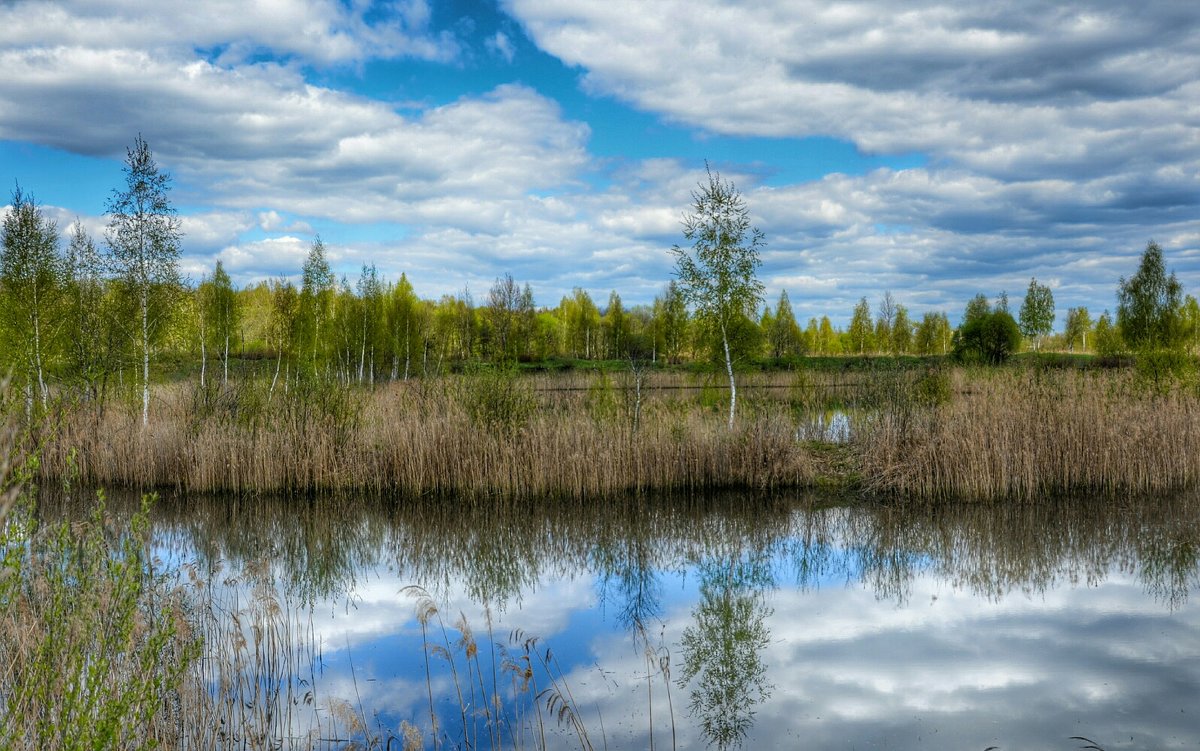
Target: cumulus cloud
{"x":318,"y":31}
{"x":1058,"y":140}
{"x":1053,"y":133}
{"x":261,"y":136}
{"x":1006,"y":90}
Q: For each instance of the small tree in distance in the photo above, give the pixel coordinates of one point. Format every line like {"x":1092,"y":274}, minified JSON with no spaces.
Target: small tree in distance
{"x":1151,"y":321}
{"x":1037,"y":313}
{"x":1150,"y":305}
{"x":718,"y":274}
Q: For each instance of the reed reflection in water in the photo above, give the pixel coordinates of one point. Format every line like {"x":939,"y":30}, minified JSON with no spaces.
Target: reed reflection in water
{"x":956,"y":626}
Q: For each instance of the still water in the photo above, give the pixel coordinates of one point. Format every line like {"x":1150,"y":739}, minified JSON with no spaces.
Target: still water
{"x":734,"y":622}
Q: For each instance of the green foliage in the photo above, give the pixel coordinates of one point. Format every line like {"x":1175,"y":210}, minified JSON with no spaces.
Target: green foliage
{"x":1037,"y":312}
{"x":498,"y":399}
{"x":933,"y":335}
{"x":784,"y":335}
{"x":315,"y":306}
{"x":143,"y":237}
{"x":1107,"y":337}
{"x":31,"y":282}
{"x":1079,"y":327}
{"x":89,"y":331}
{"x":601,"y":399}
{"x":219,"y":314}
{"x":91,"y":647}
{"x":861,"y":333}
{"x":902,"y":332}
{"x":932,"y":387}
{"x":1158,"y":370}
{"x":1150,"y":305}
{"x":990,"y":338}
{"x":745,"y":339}
{"x":718,"y":275}
{"x":977,"y":307}
{"x":723,"y":649}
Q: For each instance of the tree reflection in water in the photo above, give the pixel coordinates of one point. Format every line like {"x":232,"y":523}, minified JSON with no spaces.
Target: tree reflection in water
{"x":722,"y":650}
{"x":636,"y":554}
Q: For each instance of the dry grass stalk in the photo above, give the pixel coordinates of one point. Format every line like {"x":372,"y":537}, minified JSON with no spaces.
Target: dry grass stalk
{"x":419,"y":438}
{"x":1030,"y":434}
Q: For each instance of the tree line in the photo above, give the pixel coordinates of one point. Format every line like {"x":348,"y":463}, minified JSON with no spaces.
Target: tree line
{"x":92,"y":315}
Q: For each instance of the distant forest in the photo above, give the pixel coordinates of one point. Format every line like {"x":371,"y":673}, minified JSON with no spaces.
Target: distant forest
{"x":85,"y":312}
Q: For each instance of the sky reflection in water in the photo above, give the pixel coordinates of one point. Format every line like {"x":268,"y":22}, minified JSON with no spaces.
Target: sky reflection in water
{"x":781,"y":623}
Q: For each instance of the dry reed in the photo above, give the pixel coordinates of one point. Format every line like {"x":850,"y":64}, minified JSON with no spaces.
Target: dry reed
{"x":1029,"y":434}
{"x":984,"y":434}
{"x":421,"y":438}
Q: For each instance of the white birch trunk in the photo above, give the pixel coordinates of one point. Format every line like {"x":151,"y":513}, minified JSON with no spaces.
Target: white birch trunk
{"x":37,"y":356}
{"x":275,"y":378}
{"x":145,"y":358}
{"x":732,"y":382}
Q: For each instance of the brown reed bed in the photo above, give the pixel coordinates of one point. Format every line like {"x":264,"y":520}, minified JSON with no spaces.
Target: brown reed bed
{"x":1025,"y":434}
{"x":941,"y":433}
{"x":464,"y":436}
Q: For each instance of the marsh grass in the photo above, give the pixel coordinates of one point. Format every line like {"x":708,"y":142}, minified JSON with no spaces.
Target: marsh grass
{"x":933,"y":431}
{"x":1033,"y":433}
{"x":94,"y":643}
{"x":471,"y":436}
{"x":508,"y":694}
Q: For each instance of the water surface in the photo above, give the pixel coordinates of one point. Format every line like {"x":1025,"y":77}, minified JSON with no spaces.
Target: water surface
{"x":737,"y":621}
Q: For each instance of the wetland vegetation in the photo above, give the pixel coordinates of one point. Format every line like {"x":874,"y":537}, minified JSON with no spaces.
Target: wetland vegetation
{"x":699,"y":466}
{"x":713,"y":622}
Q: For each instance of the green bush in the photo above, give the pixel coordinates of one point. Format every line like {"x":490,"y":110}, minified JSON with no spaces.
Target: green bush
{"x":932,"y":388}
{"x":989,"y":338}
{"x":498,"y":399}
{"x":1158,"y":370}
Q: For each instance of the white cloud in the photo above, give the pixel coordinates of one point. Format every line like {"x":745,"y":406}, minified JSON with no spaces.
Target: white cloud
{"x":501,"y":45}
{"x":320,"y":31}
{"x":1008,"y":91}
{"x":1058,"y":142}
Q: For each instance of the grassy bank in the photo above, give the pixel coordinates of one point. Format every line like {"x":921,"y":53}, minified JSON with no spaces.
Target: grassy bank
{"x":927,"y":432}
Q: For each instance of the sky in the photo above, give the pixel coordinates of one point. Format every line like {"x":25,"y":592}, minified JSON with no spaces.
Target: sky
{"x":932,"y":149}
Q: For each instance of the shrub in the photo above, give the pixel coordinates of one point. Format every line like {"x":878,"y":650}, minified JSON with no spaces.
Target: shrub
{"x":498,"y":399}
{"x":991,"y":338}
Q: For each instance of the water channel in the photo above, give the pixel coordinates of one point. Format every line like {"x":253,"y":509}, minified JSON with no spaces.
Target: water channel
{"x":738,"y":621}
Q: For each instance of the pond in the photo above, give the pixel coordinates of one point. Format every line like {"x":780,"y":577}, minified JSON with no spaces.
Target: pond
{"x":737,"y":621}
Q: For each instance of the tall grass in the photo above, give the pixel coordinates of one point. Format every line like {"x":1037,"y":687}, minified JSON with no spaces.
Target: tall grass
{"x":94,"y":644}
{"x":926,"y":433}
{"x":467,"y":436}
{"x":1025,"y":434}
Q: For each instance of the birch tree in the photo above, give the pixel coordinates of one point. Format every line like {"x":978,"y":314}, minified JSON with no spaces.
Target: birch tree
{"x":87,"y":324}
{"x":30,"y":285}
{"x":143,"y":239}
{"x":718,"y":274}
{"x":860,"y":327}
{"x":1037,"y":313}
{"x":226,"y":315}
{"x":317,"y":291}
